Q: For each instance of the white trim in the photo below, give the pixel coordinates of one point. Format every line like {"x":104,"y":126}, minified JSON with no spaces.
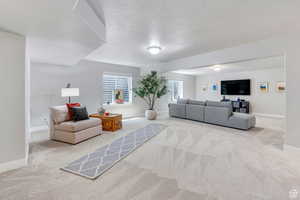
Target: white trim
{"x":291,"y":149}
{"x":269,"y":115}
{"x":45,"y":128}
{"x":27,"y":102}
{"x":134,"y":116}
{"x":4,"y":167}
{"x":38,"y":128}
{"x":117,"y":104}
{"x":123,"y":75}
{"x":90,"y":17}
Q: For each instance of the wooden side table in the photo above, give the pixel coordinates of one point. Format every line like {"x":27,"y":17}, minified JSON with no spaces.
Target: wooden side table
{"x":112,"y":122}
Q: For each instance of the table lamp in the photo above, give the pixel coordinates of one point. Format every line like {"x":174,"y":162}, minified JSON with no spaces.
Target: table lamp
{"x":69,"y":92}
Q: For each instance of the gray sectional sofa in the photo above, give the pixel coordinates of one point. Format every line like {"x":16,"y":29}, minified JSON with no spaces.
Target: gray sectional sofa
{"x":219,"y":113}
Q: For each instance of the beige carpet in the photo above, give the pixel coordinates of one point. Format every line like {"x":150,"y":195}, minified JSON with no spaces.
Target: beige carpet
{"x":189,"y":160}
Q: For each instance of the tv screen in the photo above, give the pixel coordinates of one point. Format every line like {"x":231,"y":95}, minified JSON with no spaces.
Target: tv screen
{"x":235,"y":87}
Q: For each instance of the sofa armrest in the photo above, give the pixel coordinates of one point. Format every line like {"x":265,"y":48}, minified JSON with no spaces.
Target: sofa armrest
{"x":177,"y":110}
{"x":51,"y":127}
{"x":242,"y":121}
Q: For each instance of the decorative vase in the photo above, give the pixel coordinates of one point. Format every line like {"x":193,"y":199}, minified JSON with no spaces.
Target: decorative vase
{"x":150,"y":114}
{"x":101,"y":111}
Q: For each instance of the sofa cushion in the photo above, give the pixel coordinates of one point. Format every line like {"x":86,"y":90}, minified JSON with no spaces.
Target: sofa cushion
{"x":196,"y":102}
{"x":182,"y":101}
{"x":71,"y":126}
{"x":59,"y":114}
{"x":195,"y":112}
{"x":226,"y":104}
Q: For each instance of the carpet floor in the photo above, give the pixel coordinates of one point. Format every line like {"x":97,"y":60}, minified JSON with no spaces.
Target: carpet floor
{"x":187,"y":160}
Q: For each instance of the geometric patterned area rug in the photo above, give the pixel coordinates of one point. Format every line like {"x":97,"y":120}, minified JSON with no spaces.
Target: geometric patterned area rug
{"x":96,"y":163}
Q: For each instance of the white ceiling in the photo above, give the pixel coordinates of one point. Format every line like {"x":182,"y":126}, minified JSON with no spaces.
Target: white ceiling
{"x":55,"y":33}
{"x":182,"y":28}
{"x":185,"y":28}
{"x":250,"y":65}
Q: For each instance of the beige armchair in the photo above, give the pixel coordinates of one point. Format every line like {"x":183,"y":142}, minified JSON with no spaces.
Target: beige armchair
{"x":62,"y":129}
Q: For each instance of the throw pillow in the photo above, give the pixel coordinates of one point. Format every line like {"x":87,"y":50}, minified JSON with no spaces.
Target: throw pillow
{"x":70,"y":112}
{"x":59,"y":114}
{"x":80,"y":113}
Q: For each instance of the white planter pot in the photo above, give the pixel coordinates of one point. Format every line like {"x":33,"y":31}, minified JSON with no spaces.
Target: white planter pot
{"x":150,"y":114}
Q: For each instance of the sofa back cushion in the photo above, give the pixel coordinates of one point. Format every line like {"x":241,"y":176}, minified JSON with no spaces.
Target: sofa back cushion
{"x":226,"y":104}
{"x":182,"y":101}
{"x":195,"y":112}
{"x":196,"y":102}
{"x":59,"y":114}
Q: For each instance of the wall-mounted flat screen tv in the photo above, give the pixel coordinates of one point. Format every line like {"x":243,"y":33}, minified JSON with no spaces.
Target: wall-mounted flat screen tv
{"x":236,"y":87}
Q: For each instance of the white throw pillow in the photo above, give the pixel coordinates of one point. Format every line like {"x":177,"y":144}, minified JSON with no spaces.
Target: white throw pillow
{"x":59,"y":114}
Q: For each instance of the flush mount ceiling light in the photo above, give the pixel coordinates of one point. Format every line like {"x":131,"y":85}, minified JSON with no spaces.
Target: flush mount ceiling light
{"x":154,"y":50}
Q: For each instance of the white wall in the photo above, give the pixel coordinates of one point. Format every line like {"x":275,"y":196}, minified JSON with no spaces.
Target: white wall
{"x":271,"y":103}
{"x":47,"y":81}
{"x":12,"y":87}
{"x":287,"y":45}
{"x":188,"y":89}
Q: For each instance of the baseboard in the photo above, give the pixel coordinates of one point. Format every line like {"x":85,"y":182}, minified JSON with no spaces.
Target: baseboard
{"x":291,"y":149}
{"x":44,"y":128}
{"x":269,"y":115}
{"x":163,"y":112}
{"x":38,"y":128}
{"x":134,"y":116}
{"x":4,"y":167}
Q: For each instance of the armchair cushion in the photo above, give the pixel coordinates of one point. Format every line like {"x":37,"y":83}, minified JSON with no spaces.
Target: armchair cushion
{"x":71,"y":126}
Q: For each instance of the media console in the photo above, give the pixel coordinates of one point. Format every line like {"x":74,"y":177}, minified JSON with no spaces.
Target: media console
{"x":241,"y":106}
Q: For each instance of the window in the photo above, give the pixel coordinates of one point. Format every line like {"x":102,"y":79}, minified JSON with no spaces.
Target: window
{"x":176,"y":89}
{"x":113,"y":83}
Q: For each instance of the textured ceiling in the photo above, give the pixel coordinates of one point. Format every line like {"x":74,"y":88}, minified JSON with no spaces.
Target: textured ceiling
{"x":185,"y":28}
{"x":182,"y":28}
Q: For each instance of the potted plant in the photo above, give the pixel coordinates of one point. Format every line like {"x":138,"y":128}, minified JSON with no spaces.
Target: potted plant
{"x":150,"y":88}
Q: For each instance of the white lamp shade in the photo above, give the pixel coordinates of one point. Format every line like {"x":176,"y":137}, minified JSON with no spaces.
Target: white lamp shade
{"x":69,"y":92}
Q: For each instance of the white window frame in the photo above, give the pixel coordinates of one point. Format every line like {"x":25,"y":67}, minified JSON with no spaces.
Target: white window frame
{"x":129,"y":78}
{"x":171,"y":89}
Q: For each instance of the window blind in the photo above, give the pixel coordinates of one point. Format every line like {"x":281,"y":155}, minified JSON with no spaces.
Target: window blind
{"x":113,"y":82}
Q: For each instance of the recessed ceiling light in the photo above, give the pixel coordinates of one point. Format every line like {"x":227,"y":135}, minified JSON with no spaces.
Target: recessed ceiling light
{"x":154,"y":50}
